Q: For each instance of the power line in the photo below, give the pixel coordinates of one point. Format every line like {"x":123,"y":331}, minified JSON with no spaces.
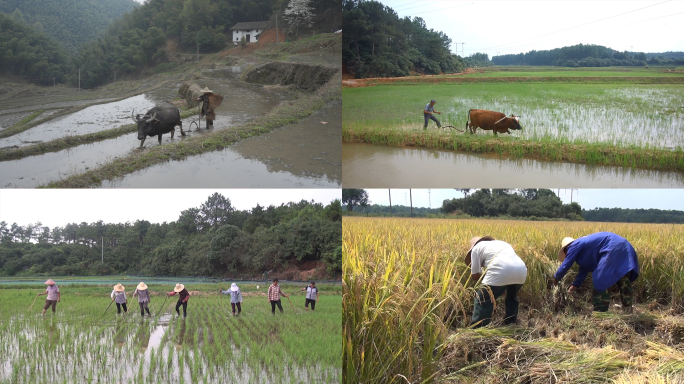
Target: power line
{"x":581,"y":25}
{"x":643,"y":21}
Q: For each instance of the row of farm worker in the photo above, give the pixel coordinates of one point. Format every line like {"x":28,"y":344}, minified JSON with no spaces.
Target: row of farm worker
{"x":610,"y":258}
{"x":119,"y":297}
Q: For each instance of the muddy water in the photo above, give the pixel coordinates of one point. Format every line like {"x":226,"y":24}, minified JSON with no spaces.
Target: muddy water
{"x":370,"y":166}
{"x":305,"y":154}
{"x":39,"y":170}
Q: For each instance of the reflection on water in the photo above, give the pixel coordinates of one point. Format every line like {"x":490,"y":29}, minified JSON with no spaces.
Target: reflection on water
{"x":304,"y":154}
{"x":370,"y":166}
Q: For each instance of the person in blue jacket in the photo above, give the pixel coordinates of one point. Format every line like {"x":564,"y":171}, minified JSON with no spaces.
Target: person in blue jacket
{"x":611,"y":259}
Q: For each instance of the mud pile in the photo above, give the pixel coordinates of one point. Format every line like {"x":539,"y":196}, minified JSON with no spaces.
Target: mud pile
{"x":302,"y":76}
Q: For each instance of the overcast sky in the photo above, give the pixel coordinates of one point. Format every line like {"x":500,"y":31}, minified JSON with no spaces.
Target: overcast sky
{"x":587,"y":198}
{"x":62,"y":206}
{"x":521,"y":26}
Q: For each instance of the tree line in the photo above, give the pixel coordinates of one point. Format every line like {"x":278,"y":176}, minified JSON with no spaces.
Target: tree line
{"x":626,"y":215}
{"x":585,"y":55}
{"x":377,"y":43}
{"x":135,"y":43}
{"x":214,"y":239}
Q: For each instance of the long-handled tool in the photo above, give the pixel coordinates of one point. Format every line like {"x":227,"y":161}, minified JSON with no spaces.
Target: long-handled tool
{"x":293,"y":309}
{"x":110,"y":304}
{"x":34,"y":301}
{"x":160,"y":308}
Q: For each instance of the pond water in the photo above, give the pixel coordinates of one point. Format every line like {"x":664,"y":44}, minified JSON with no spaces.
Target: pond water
{"x":369,"y":166}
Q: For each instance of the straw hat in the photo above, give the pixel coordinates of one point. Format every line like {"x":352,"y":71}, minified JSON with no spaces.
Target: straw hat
{"x":473,"y":243}
{"x":564,"y":243}
{"x":50,"y":282}
{"x":179,"y":287}
{"x":234,"y":287}
{"x":142,"y":286}
{"x":206,"y":90}
{"x":119,"y":288}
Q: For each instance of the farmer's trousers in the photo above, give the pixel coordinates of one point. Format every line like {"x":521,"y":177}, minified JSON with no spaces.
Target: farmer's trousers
{"x":232,"y":305}
{"x":601,"y":299}
{"x":484,"y":305}
{"x":185,"y":307}
{"x":50,"y":303}
{"x":143,"y":308}
{"x":313,"y":303}
{"x":429,"y":117}
{"x":273,"y":305}
{"x":118,"y":307}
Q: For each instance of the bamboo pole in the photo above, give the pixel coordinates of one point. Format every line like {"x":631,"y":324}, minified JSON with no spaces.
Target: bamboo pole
{"x":34,"y":301}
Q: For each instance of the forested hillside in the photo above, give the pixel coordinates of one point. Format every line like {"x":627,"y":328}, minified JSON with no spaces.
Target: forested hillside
{"x":586,"y":56}
{"x":214,"y":239}
{"x":72,"y":22}
{"x":377,"y":43}
{"x":26,"y":52}
{"x":624,"y":215}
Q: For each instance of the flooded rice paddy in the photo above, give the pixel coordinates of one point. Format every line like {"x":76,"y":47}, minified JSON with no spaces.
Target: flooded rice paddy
{"x":648,"y":116}
{"x":303,"y":154}
{"x":370,"y":166}
{"x":82,"y":344}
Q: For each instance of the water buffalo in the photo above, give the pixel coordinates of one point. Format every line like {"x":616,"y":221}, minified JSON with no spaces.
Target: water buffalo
{"x":158,"y":121}
{"x":491,"y":121}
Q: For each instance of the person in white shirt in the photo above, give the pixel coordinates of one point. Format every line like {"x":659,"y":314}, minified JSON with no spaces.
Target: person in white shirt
{"x":311,"y":295}
{"x":503,"y":272}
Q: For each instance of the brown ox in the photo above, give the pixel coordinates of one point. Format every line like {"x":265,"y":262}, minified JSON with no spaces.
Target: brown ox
{"x":491,"y":121}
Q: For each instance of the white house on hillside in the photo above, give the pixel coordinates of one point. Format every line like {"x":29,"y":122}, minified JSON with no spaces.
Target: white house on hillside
{"x":250,"y":30}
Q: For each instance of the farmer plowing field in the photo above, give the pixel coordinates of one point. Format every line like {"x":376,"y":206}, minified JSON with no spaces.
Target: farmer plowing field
{"x":183,"y":297}
{"x":505,"y":272}
{"x":611,"y":259}
{"x":429,"y":114}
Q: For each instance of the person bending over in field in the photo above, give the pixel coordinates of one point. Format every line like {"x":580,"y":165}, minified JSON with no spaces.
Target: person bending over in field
{"x":311,"y":295}
{"x":611,"y":259}
{"x":235,"y":298}
{"x":119,"y":296}
{"x":183,"y":297}
{"x":143,"y":298}
{"x":429,"y":114}
{"x":274,"y":293}
{"x":52,"y":292}
{"x":505,"y":272}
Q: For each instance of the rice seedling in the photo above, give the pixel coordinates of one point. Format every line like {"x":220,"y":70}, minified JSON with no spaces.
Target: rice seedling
{"x":78,"y":344}
{"x":407,"y":304}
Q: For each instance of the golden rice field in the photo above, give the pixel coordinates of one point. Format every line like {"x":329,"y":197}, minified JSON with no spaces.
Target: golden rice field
{"x":407,"y":302}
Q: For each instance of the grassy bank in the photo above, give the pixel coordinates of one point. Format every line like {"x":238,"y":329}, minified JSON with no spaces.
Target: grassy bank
{"x":284,"y":114}
{"x":407,"y":304}
{"x":576,"y":152}
{"x":74,"y":141}
{"x":21,"y":126}
{"x":82,"y":344}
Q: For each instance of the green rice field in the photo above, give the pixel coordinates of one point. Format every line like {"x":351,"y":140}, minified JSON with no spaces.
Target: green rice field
{"x":82,"y":344}
{"x":648,"y":116}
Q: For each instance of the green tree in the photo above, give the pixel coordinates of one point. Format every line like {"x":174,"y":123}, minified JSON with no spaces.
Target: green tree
{"x":354,"y":197}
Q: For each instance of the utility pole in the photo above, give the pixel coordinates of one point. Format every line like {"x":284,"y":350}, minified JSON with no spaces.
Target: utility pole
{"x":411,"y":194}
{"x":115,"y":75}
{"x":102,"y":242}
{"x":277,"y":29}
{"x":429,"y":200}
{"x":197,"y":52}
{"x":389,"y":191}
{"x":79,"y":79}
{"x":54,"y":83}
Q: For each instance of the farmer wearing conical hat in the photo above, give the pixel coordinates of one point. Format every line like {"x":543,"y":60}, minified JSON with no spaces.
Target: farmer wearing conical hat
{"x":119,"y":295}
{"x":183,"y":296}
{"x":53,"y":297}
{"x":235,"y":298}
{"x":311,"y":295}
{"x":610,"y":258}
{"x":210,"y":101}
{"x":143,"y":298}
{"x":505,"y":272}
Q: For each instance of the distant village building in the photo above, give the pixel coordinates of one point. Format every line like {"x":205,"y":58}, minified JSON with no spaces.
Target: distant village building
{"x":250,"y":30}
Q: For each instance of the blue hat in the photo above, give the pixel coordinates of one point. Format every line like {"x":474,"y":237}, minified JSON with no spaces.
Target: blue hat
{"x":433,"y":101}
